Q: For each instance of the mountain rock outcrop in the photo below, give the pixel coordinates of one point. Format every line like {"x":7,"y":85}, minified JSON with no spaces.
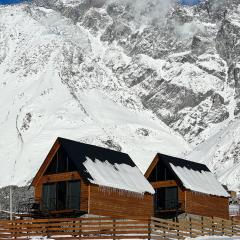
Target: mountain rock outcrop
{"x":137,"y":76}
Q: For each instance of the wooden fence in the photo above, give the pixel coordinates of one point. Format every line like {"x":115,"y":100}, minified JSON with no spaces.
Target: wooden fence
{"x":108,"y":228}
{"x":194,"y":228}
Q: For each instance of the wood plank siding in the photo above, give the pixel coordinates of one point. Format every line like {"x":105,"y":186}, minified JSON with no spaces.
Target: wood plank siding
{"x":206,"y":205}
{"x":100,"y":201}
{"x":117,"y":203}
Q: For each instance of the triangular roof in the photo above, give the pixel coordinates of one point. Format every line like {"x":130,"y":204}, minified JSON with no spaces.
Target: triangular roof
{"x":101,"y":166}
{"x":191,"y":175}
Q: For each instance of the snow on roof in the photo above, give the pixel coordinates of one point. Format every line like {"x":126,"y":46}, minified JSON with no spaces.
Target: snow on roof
{"x":199,"y":181}
{"x":120,"y":176}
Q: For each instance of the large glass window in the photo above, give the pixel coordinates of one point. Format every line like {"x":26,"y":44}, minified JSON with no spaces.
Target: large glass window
{"x":61,"y":196}
{"x":171,"y":196}
{"x":49,"y":196}
{"x":74,"y":194}
{"x":166,"y":198}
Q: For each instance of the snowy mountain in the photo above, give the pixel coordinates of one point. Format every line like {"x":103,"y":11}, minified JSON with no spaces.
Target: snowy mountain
{"x":137,"y":76}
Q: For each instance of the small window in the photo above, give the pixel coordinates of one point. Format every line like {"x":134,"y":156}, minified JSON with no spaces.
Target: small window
{"x":161,"y":173}
{"x":60,"y":163}
{"x":71,"y":166}
{"x":52,"y":168}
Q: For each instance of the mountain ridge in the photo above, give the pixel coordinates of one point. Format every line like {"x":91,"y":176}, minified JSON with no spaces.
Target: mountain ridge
{"x":142,"y":78}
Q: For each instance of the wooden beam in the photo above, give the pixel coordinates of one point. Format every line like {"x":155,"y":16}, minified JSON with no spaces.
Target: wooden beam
{"x":152,"y":166}
{"x":168,"y":183}
{"x":59,"y":177}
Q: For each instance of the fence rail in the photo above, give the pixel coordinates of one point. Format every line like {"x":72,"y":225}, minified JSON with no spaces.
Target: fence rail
{"x":108,"y":228}
{"x":194,"y":228}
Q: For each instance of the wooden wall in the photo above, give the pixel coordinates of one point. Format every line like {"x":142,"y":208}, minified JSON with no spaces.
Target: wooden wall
{"x":105,"y":202}
{"x":206,"y":205}
{"x":181,"y":198}
{"x":99,"y":201}
{"x":198,"y":203}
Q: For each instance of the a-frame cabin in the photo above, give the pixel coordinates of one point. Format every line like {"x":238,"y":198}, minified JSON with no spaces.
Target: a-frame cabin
{"x":78,"y":178}
{"x":183,"y":186}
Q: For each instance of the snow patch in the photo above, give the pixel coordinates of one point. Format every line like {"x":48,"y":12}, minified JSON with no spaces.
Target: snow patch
{"x":119,"y":176}
{"x":203,"y":182}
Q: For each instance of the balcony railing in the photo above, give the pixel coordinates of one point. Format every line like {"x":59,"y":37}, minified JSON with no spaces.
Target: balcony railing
{"x":164,"y":205}
{"x":53,"y":208}
{"x":55,"y":204}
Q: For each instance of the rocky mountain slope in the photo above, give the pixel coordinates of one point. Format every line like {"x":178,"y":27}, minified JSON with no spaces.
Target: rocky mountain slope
{"x":136,"y":76}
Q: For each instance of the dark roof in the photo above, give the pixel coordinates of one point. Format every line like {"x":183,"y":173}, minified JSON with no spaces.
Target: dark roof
{"x":78,"y":152}
{"x":183,"y":163}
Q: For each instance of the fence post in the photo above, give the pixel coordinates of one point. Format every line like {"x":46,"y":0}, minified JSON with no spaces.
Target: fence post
{"x":13,"y":229}
{"x":164,"y":232}
{"x":190,"y":226}
{"x":222,"y":227}
{"x":80,"y":229}
{"x":212,"y":226}
{"x":47,"y":232}
{"x":177,"y":227}
{"x":232,"y":226}
{"x":202,"y":226}
{"x":114,"y":228}
{"x":149,"y":229}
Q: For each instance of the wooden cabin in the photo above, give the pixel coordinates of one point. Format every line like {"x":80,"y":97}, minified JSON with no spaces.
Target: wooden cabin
{"x":78,"y":178}
{"x":183,"y":186}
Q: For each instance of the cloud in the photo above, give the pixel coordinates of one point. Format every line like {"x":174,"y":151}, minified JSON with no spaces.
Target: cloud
{"x":148,"y":11}
{"x":188,"y":30}
{"x":154,"y":12}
